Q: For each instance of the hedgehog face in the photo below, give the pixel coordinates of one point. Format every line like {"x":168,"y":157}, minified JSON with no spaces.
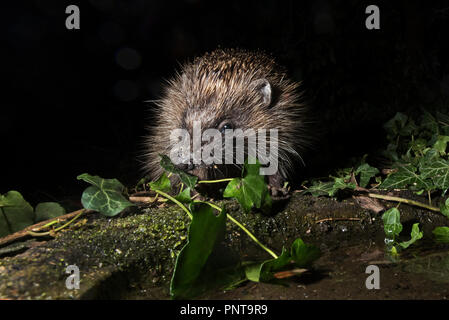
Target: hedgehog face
{"x":211,"y":111}
{"x":221,"y":91}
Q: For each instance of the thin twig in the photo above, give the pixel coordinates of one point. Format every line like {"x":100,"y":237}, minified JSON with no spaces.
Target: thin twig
{"x":40,"y":234}
{"x":402,"y":200}
{"x":36,"y":227}
{"x":337,"y":219}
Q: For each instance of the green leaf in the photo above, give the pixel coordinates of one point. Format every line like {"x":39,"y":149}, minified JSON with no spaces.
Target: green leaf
{"x":340,"y":184}
{"x":366,"y":173}
{"x":418,"y":145}
{"x":400,"y":124}
{"x":184,"y":196}
{"x":441,"y":144}
{"x":437,"y":170}
{"x":48,"y":210}
{"x":263,"y":271}
{"x":205,"y":231}
{"x":104,"y":196}
{"x":394,"y":251}
{"x":252,"y":271}
{"x":405,"y":176}
{"x":392,"y":223}
{"x":415,"y":235}
{"x":268,"y":268}
{"x":443,"y":119}
{"x":162,"y":184}
{"x":251,"y":190}
{"x":429,"y":154}
{"x":300,"y":255}
{"x":189,"y":180}
{"x":441,"y":234}
{"x":391,"y":152}
{"x":15,"y":213}
{"x":444,"y":208}
{"x":304,"y":254}
{"x":319,"y":188}
{"x":429,"y":122}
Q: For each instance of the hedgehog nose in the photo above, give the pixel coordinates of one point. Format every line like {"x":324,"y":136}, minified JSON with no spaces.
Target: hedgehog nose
{"x":184,"y":166}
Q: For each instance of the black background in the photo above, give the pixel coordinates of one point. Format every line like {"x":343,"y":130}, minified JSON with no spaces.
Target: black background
{"x":69,"y":106}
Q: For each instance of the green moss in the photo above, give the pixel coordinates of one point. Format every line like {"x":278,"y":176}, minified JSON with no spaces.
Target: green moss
{"x":137,"y":239}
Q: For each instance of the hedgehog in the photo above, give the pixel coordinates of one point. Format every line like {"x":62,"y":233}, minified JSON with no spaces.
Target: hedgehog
{"x":230,"y":89}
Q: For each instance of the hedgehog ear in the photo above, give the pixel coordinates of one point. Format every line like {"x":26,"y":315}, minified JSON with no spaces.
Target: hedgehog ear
{"x":264,"y":89}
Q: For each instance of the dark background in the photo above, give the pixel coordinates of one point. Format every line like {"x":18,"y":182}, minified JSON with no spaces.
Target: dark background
{"x":73,"y":100}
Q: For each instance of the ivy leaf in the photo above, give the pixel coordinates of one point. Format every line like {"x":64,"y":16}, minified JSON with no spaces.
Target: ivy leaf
{"x":444,"y":208}
{"x":441,"y":144}
{"x":252,"y":271}
{"x":441,"y":234}
{"x":415,"y":235}
{"x":268,"y":268}
{"x":189,"y":180}
{"x":340,"y":184}
{"x":392,"y":223}
{"x":429,"y":154}
{"x":319,"y":188}
{"x":443,"y":119}
{"x":304,"y":254}
{"x":162,"y":184}
{"x":391,"y":152}
{"x":400,"y":124}
{"x":205,"y":231}
{"x":429,"y":122}
{"x":48,"y":210}
{"x":418,"y":145}
{"x":300,"y":255}
{"x":184,"y":196}
{"x":329,"y":188}
{"x":15,"y":213}
{"x":405,"y":176}
{"x":263,"y":272}
{"x":437,"y":170}
{"x":104,"y":196}
{"x":366,"y":173}
{"x":251,"y":190}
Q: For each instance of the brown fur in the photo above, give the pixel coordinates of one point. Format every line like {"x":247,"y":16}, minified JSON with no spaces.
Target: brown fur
{"x":223,"y":85}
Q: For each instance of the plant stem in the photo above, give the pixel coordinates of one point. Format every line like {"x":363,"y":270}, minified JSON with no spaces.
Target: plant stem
{"x":274,"y":255}
{"x":244,"y":229}
{"x":50,"y":223}
{"x":175,"y":201}
{"x":230,"y":218}
{"x":412,"y":202}
{"x":74,"y":218}
{"x":337,"y":219}
{"x":215,"y":181}
{"x":40,"y":234}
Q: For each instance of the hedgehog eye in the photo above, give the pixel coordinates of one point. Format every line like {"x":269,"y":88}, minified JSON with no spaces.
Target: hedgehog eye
{"x":225,"y":126}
